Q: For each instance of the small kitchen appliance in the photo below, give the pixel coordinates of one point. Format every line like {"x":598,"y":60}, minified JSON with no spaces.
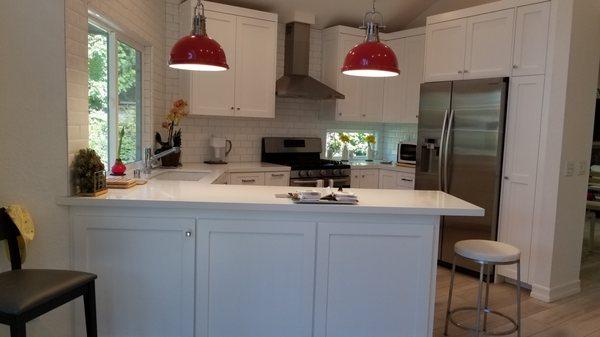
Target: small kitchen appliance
{"x":407,"y":153}
{"x":303,"y":155}
{"x":220,"y":148}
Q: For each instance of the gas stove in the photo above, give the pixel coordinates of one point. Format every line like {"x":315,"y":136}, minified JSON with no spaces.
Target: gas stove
{"x":303,"y":155}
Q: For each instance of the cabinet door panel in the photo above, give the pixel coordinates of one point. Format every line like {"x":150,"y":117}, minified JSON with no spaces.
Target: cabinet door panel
{"x":350,"y":108}
{"x":369,"y":178}
{"x":211,"y":92}
{"x":394,"y":92}
{"x":358,"y":273}
{"x":372,"y":99}
{"x":247,"y":178}
{"x":414,"y":55}
{"x":355,"y":178}
{"x":277,"y":179}
{"x":445,"y":50}
{"x":520,"y":168}
{"x":489,"y":45}
{"x":255,"y":68}
{"x":387,"y":179}
{"x":145,"y":269}
{"x":255,"y":278}
{"x":531,"y":39}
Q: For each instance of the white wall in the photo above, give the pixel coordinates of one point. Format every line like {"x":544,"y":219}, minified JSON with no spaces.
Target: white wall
{"x":33,"y":136}
{"x":443,"y":6}
{"x":567,"y":130}
{"x":293,"y":117}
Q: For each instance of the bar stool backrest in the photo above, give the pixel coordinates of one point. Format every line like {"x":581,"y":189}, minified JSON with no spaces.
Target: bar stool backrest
{"x":10,"y":232}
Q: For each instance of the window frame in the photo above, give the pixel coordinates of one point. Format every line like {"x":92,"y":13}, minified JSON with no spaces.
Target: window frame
{"x":114,"y":37}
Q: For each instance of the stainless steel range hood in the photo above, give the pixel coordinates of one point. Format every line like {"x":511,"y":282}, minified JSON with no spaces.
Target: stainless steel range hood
{"x":295,"y":81}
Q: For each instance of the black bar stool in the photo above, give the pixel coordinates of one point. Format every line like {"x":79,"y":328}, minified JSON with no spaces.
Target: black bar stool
{"x":27,"y":294}
{"x":487,"y":254}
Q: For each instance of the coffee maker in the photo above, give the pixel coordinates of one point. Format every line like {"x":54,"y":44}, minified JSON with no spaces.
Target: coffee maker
{"x":220,"y":148}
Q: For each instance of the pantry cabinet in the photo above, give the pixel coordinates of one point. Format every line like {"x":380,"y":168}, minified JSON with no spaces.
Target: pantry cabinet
{"x":247,"y":89}
{"x":522,"y":143}
{"x":531,"y":39}
{"x":401,"y":93}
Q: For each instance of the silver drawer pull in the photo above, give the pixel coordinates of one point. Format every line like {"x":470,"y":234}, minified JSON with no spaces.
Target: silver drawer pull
{"x":404,"y":179}
{"x":248,"y":180}
{"x":277,"y":175}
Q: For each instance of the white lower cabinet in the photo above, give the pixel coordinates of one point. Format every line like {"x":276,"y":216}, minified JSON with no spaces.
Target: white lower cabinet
{"x":259,"y":178}
{"x":394,"y":180}
{"x":365,"y":178}
{"x":359,"y":268}
{"x":277,"y":178}
{"x":255,"y":278}
{"x":145,"y":268}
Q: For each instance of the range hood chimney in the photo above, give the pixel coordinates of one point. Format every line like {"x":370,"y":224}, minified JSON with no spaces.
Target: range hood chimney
{"x":295,"y":81}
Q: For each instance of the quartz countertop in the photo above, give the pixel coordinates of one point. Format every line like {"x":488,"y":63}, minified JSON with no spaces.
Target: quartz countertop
{"x":203,"y":194}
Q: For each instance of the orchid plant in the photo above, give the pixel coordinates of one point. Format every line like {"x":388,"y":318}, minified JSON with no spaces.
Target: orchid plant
{"x":178,"y":111}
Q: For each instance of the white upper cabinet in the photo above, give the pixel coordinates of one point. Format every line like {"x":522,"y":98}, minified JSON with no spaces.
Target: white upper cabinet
{"x":414,"y":58}
{"x":489,"y":45}
{"x":209,"y":97}
{"x":401,"y":93}
{"x":531,"y":39}
{"x":247,"y":89}
{"x":445,"y":50}
{"x":255,"y":62}
{"x":394,"y":92}
{"x":350,"y":108}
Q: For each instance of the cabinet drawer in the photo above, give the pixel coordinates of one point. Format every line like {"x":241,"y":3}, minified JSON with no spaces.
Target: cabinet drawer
{"x":277,"y":178}
{"x":247,"y":178}
{"x":406,"y":180}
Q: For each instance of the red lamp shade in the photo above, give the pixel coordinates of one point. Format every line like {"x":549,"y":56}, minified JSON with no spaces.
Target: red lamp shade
{"x":371,"y":59}
{"x":199,"y":53}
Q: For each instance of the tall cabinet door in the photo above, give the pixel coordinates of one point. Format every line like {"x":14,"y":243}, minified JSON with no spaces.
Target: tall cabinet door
{"x":520,"y":169}
{"x":372,"y":99}
{"x":159,"y":251}
{"x":489,"y":45}
{"x":350,"y":108}
{"x":414,"y":54}
{"x":255,"y":67}
{"x":394,"y":91}
{"x":531,"y":39}
{"x":445,"y":50}
{"x":255,"y":278}
{"x":212,"y":94}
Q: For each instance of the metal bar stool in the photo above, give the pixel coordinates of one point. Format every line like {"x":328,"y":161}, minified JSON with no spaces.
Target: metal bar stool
{"x":487,"y":254}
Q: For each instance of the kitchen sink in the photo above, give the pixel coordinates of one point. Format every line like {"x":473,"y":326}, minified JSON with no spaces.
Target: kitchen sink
{"x":181,"y":176}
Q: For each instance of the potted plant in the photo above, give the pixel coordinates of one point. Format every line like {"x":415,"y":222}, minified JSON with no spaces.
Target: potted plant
{"x":89,"y":174}
{"x":345,"y":139}
{"x":178,"y":111}
{"x":119,"y":168}
{"x":370,"y":139}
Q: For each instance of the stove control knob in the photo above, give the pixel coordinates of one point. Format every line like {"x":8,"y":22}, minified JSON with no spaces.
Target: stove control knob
{"x":336,"y":172}
{"x":303,"y":173}
{"x":312,"y":173}
{"x":324,"y":173}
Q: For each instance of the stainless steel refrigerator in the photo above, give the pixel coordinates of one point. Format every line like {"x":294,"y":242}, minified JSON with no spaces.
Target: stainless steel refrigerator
{"x":459,"y":151}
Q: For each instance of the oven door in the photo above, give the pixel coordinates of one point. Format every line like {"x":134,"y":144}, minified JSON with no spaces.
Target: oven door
{"x":343,"y":182}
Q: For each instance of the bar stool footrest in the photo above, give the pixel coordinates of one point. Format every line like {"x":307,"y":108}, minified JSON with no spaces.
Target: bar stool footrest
{"x":514,"y":328}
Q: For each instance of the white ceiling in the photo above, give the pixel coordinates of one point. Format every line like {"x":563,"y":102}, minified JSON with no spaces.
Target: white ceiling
{"x":397,"y":13}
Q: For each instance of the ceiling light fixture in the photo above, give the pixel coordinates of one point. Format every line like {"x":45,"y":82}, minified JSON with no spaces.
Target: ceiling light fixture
{"x":371,"y":58}
{"x":197,"y":51}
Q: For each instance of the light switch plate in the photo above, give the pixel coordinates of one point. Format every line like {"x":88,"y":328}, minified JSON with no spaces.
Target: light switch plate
{"x":569,"y":168}
{"x":583,"y":169}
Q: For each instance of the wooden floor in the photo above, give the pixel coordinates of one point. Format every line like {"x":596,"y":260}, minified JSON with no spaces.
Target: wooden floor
{"x":576,"y":316}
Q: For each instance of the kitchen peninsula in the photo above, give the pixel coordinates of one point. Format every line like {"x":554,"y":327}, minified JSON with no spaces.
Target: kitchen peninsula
{"x":193,"y":258}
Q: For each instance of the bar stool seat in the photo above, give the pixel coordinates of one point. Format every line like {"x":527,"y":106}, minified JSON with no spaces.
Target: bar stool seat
{"x":487,"y":254}
{"x":488,"y":251}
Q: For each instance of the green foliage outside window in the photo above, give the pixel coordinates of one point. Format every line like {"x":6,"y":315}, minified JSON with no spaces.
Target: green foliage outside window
{"x":357,"y":143}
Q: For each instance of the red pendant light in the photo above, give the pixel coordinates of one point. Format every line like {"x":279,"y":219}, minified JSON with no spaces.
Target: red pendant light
{"x":371,"y":58}
{"x":197,"y":51}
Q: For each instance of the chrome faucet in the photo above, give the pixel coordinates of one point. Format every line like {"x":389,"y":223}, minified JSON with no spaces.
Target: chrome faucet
{"x":150,"y":161}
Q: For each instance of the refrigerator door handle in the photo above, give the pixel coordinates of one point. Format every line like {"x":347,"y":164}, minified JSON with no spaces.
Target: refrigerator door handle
{"x":446,"y":142}
{"x":441,"y":155}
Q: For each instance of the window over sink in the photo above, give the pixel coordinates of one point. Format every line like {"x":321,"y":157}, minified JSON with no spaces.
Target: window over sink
{"x":114,"y":95}
{"x":357,"y":142}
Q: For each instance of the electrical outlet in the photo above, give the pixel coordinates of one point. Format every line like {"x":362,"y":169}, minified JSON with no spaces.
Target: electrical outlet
{"x":569,"y":168}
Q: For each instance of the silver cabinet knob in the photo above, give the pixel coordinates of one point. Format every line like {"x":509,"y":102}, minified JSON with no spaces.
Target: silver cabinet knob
{"x":238,"y":108}
{"x":188,"y":234}
{"x":460,"y":72}
{"x":232,"y":108}
{"x":515,"y":66}
{"x":505,"y":177}
{"x":466,"y":71}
